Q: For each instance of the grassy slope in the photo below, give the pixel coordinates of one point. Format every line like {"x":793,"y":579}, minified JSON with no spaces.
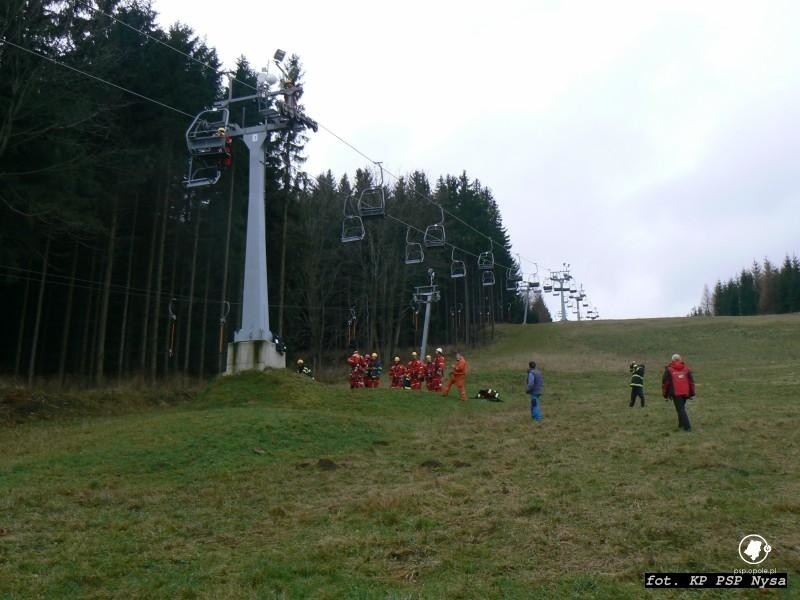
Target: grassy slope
{"x":227,"y":497}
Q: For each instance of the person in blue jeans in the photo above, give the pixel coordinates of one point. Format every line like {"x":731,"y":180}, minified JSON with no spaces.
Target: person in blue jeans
{"x":534,"y":388}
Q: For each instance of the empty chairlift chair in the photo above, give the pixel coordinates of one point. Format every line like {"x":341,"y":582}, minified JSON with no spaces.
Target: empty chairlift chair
{"x":486,"y":260}
{"x":548,"y":286}
{"x":352,"y":225}
{"x":372,"y":202}
{"x":487,"y":278}
{"x":512,"y":281}
{"x":414,"y":253}
{"x":457,"y":267}
{"x":435,"y":234}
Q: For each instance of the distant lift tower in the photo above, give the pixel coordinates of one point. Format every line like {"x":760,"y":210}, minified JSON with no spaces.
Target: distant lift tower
{"x":561,"y":284}
{"x":426,"y":294}
{"x":208,"y":140}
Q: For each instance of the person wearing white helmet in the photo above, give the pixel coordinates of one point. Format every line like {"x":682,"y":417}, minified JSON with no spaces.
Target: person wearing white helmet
{"x":677,"y":384}
{"x":438,"y":371}
{"x":357,"y":369}
{"x":429,"y":371}
{"x":458,"y":377}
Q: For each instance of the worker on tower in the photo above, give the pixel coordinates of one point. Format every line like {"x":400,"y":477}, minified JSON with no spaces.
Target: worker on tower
{"x":397,"y":372}
{"x":356,"y":370}
{"x":438,"y":376}
{"x":415,"y":371}
{"x":374,"y":370}
{"x":227,"y":158}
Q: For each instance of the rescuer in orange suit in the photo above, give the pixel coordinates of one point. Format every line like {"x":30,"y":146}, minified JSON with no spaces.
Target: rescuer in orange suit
{"x":438,"y":374}
{"x":396,"y":373}
{"x":415,"y":370}
{"x":357,"y":369}
{"x":430,"y":369}
{"x":457,"y":376}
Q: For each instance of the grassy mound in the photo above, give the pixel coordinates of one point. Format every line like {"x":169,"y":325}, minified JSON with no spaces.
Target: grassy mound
{"x":270,"y":485}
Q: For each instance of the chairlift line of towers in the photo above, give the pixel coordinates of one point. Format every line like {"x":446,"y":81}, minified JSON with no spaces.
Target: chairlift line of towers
{"x":207,"y":148}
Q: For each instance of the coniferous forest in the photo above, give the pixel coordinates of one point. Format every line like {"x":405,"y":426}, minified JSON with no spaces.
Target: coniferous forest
{"x":111,"y":269}
{"x":764,"y":289}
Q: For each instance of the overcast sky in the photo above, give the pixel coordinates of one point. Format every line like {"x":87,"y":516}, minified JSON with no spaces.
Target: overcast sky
{"x":652,"y":145}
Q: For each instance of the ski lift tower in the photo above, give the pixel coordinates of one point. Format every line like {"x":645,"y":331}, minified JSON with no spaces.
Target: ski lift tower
{"x":426,"y":294}
{"x":561,"y":284}
{"x":578,"y":295}
{"x":208,"y":140}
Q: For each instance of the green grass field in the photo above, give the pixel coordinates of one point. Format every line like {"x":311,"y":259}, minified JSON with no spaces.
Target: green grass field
{"x":273,"y":486}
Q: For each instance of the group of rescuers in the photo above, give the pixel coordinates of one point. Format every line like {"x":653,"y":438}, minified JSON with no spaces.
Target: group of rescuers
{"x":366,"y":371}
{"x":677,"y":382}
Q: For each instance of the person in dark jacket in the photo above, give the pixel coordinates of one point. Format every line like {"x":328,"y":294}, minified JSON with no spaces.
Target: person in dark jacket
{"x":534,"y":387}
{"x":678,"y":384}
{"x":637,"y":383}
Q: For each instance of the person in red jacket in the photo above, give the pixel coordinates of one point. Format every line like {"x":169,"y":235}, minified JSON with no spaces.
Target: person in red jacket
{"x":430,"y":368}
{"x":677,"y":384}
{"x":438,"y":374}
{"x":357,"y":370}
{"x":396,"y":373}
{"x":458,"y":377}
{"x":415,"y":370}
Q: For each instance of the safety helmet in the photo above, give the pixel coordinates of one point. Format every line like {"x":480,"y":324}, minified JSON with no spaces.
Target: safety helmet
{"x":439,"y":350}
{"x":396,"y":359}
{"x":221,"y":130}
{"x":413,"y":354}
{"x":374,"y":355}
{"x":299,"y":361}
{"x":428,"y":357}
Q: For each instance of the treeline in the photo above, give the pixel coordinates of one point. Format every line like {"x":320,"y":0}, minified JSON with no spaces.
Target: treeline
{"x":110,"y":269}
{"x":761,"y":290}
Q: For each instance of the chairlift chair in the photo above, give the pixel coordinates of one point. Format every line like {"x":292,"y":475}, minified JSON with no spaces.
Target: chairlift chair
{"x":548,"y":286}
{"x":372,"y":202}
{"x":202,"y":172}
{"x":487,"y":278}
{"x":457,"y":267}
{"x":486,"y":260}
{"x":206,"y":136}
{"x":534,"y":281}
{"x":352,"y":225}
{"x":435,"y":234}
{"x":414,"y":252}
{"x":512,"y":281}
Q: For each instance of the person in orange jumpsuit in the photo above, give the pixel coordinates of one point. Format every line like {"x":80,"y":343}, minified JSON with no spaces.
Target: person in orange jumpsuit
{"x":438,"y":374}
{"x":457,"y":376}
{"x":396,"y":373}
{"x":415,"y":370}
